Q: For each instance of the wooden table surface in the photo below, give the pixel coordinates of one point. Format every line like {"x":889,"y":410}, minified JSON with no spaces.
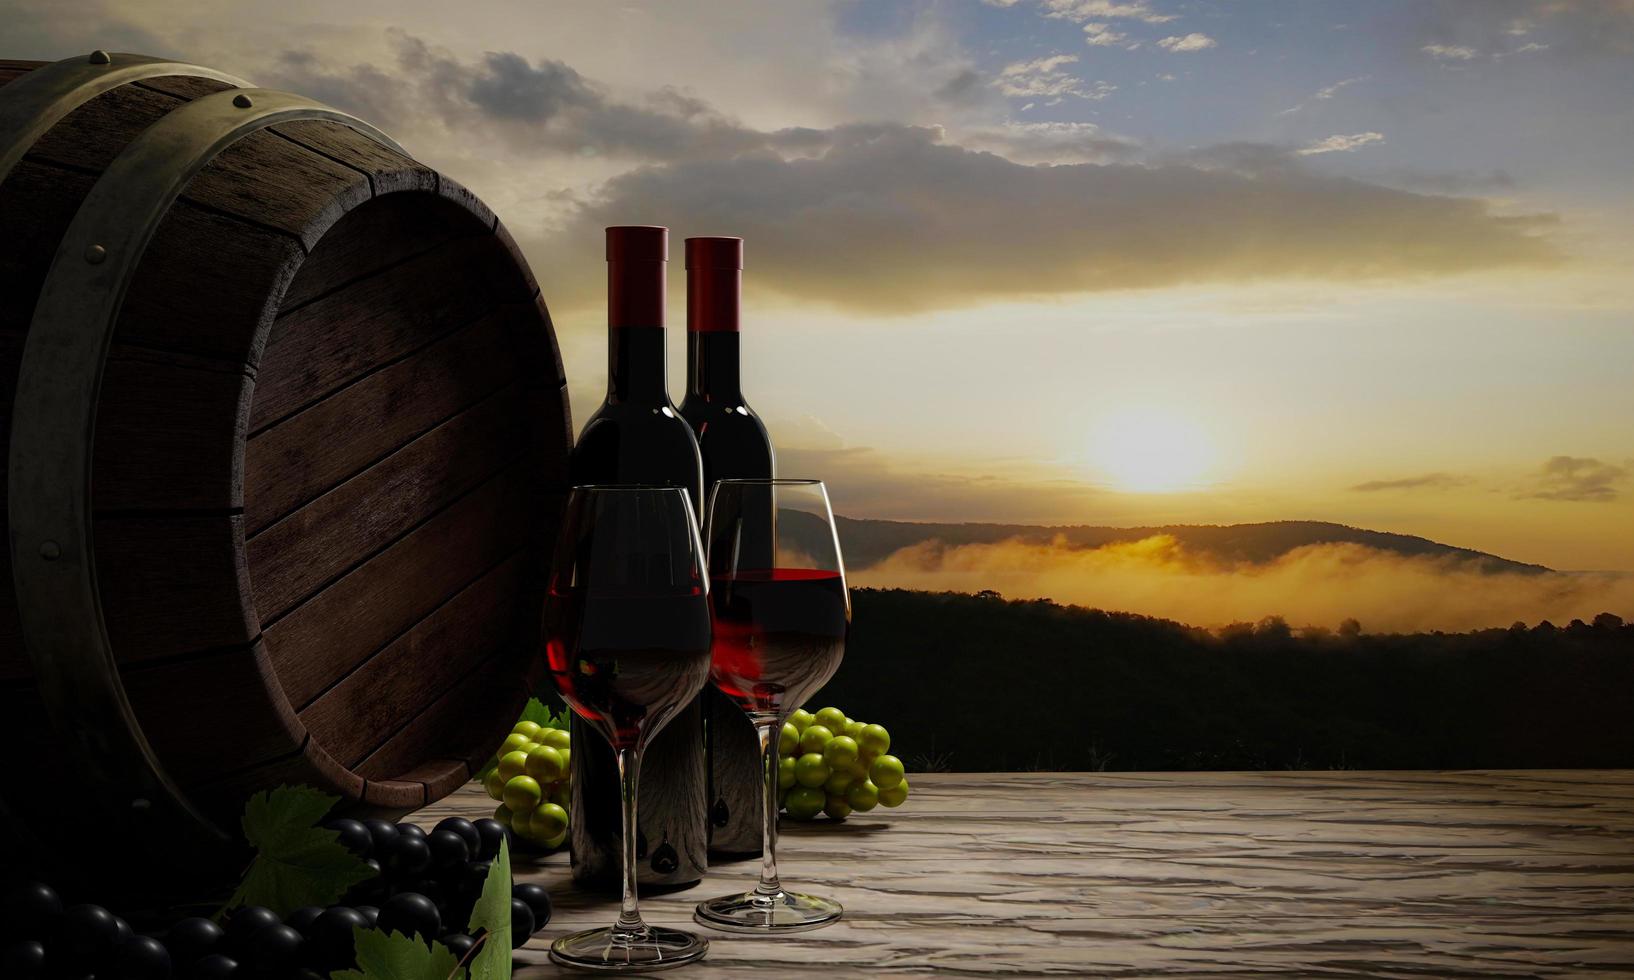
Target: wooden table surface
{"x":1308,"y":874}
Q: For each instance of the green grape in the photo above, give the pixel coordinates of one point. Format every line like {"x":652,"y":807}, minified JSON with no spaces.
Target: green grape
{"x":785,"y":772}
{"x":895,"y":795}
{"x":494,"y":783}
{"x":832,"y":719}
{"x":567,"y":762}
{"x":836,"y":807}
{"x":556,"y":738}
{"x":811,"y":770}
{"x":838,"y":782}
{"x":514,"y":742}
{"x":863,"y":796}
{"x":527,"y":729}
{"x":841,"y":750}
{"x":545,"y":764}
{"x":548,"y":821}
{"x":875,"y":739}
{"x":854,"y":729}
{"x":512,"y":765}
{"x":805,"y":802}
{"x":558,"y":840}
{"x":814,"y":738}
{"x":503,"y":814}
{"x":858,"y":769}
{"x":562,"y":795}
{"x":788,"y":740}
{"x":801,"y":719}
{"x":868,"y":755}
{"x":886,"y":771}
{"x":523,"y":793}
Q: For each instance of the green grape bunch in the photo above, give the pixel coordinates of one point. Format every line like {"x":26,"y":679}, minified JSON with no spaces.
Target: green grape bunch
{"x":531,"y":778}
{"x":828,"y":763}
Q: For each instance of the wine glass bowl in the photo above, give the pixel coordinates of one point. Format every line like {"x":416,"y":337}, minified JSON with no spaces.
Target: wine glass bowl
{"x":627,"y":635}
{"x":782,"y":614}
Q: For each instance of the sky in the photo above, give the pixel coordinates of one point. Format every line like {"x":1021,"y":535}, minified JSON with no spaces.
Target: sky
{"x":1123,"y":262}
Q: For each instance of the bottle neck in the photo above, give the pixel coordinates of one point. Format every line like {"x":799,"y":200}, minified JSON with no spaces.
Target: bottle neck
{"x":712,"y":365}
{"x":635,"y":366}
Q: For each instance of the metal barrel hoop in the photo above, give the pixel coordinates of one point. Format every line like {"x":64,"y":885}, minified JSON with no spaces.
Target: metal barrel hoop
{"x":53,"y":429}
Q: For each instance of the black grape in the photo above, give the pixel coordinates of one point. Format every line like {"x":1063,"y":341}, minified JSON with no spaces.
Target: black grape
{"x":521,"y":923}
{"x":429,"y":887}
{"x":353,"y":835}
{"x":23,"y":960}
{"x":192,"y":939}
{"x":85,"y":938}
{"x":370,"y":914}
{"x":538,"y":900}
{"x":214,"y":967}
{"x":142,"y":958}
{"x":492,"y":833}
{"x":412,"y":829}
{"x":247,"y":920}
{"x":467,"y":830}
{"x":302,"y":918}
{"x":275,"y":949}
{"x":411,"y":914}
{"x":122,"y":931}
{"x":383,"y":832}
{"x":408,"y":857}
{"x":30,"y":911}
{"x":329,"y":942}
{"x":448,"y":850}
{"x":458,"y":943}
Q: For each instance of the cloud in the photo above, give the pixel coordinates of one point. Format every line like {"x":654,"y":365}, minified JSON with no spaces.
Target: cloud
{"x":1319,"y":584}
{"x":1324,"y":94}
{"x":1451,"y":181}
{"x":894,"y":219}
{"x":1084,"y":10}
{"x":1098,"y":35}
{"x":1043,"y":77}
{"x":1187,"y":42}
{"x":1341,"y":144}
{"x":1429,"y":481}
{"x":1449,"y":52}
{"x":1579,"y":479}
{"x":1051,"y":142}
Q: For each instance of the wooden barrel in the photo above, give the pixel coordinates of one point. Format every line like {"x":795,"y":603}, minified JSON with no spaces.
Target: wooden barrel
{"x":287,"y":432}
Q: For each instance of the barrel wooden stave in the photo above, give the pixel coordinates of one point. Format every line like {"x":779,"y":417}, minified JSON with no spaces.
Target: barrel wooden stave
{"x":290,"y":231}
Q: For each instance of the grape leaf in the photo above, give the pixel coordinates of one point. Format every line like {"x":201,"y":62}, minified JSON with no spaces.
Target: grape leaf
{"x":394,"y":956}
{"x":493,"y":914}
{"x":296,"y":862}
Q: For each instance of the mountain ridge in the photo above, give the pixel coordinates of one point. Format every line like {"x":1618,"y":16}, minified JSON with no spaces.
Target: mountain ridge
{"x":868,"y":541}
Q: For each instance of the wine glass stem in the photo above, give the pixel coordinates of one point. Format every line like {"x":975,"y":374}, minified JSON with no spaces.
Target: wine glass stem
{"x":629,"y":774}
{"x":769,"y":885}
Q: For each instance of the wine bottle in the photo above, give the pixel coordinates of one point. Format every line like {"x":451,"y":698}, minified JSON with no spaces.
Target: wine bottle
{"x":637,"y":436}
{"x":733,"y":443}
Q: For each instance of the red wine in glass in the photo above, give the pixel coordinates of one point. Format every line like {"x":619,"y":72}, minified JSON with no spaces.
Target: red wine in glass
{"x":781,"y":619}
{"x":779,"y":636}
{"x":626,"y":663}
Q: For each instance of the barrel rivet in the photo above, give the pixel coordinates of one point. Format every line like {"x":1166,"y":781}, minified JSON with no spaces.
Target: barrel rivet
{"x":50,"y":550}
{"x":95,"y":254}
{"x":99,"y":57}
{"x":141,"y":804}
{"x":242,"y":101}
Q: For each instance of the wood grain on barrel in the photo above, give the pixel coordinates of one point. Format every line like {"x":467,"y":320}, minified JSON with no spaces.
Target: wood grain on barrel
{"x":1296,"y":874}
{"x":322,"y":447}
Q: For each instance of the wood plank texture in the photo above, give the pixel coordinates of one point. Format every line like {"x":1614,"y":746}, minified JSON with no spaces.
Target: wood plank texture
{"x":1295,"y":874}
{"x":297,"y":556}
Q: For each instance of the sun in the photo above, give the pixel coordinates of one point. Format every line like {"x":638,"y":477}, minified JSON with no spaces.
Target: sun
{"x":1152,"y":450}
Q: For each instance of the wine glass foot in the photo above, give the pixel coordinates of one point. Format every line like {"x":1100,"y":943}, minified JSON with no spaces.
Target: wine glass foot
{"x":757,"y":914}
{"x":614,"y":950}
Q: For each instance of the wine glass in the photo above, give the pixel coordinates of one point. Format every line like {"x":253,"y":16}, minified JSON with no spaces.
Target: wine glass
{"x":781,"y":618}
{"x":627,"y":635}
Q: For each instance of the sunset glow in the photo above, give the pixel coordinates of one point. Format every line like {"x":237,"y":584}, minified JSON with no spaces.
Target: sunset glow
{"x":1152,"y":451}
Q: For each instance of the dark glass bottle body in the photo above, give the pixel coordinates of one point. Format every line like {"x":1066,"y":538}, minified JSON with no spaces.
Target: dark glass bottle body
{"x":733,"y":444}
{"x":638,"y":436}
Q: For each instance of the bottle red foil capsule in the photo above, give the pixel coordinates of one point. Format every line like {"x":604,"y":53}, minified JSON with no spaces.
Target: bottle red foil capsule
{"x":637,"y":262}
{"x":714,"y":282}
